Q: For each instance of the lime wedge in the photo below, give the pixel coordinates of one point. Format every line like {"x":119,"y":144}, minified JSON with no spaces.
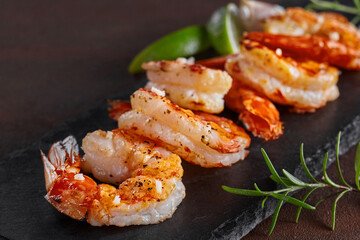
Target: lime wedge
{"x":182,"y":43}
{"x":224,"y":29}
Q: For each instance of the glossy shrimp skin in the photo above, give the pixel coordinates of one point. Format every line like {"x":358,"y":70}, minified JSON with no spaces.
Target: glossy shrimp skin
{"x":298,"y":21}
{"x":304,"y":85}
{"x":150,"y":195}
{"x":190,"y":86}
{"x":202,"y":139}
{"x":314,"y":48}
{"x":257,"y":113}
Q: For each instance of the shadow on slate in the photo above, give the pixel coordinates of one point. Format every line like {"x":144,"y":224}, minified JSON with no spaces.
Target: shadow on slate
{"x":207,"y":212}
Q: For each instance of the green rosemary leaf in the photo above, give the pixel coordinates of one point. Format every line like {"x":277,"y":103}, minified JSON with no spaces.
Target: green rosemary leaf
{"x":276,"y":214}
{"x":258,"y":189}
{"x":338,"y":162}
{"x":355,"y":20}
{"x":263,"y":201}
{"x":357,"y":4}
{"x":318,"y":202}
{"x":294,"y":180}
{"x":304,"y":199}
{"x":292,"y":200}
{"x":311,"y":6}
{"x":271,"y":168}
{"x":303,"y":164}
{"x":357,"y":166}
{"x":285,"y":180}
{"x":334,"y":5}
{"x":326,"y":177}
{"x":244,"y":192}
{"x":334,"y":207}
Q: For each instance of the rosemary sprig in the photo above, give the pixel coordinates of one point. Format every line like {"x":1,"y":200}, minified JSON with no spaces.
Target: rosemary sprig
{"x":292,"y":184}
{"x":336,"y":6}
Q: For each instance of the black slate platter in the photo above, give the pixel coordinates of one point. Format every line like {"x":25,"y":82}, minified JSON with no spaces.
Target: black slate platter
{"x":207,"y":212}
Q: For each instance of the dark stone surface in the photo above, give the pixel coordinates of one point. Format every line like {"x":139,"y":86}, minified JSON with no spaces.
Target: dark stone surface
{"x":58,"y":60}
{"x":207,"y":211}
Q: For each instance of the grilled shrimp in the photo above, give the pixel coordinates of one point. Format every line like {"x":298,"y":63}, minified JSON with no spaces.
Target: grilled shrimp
{"x":203,"y":139}
{"x":314,"y":48}
{"x":304,"y":85}
{"x":298,"y":21}
{"x":150,"y":189}
{"x":258,"y":114}
{"x":189,"y":85}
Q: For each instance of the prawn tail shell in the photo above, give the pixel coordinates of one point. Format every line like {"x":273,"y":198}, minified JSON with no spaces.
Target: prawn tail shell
{"x":118,"y":108}
{"x":64,"y":191}
{"x":262,"y":118}
{"x":72,"y":194}
{"x":49,"y":171}
{"x":63,"y":153}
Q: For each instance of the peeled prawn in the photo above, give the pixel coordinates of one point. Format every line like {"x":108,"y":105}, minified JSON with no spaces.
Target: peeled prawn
{"x":314,"y":48}
{"x":190,"y":86}
{"x":203,"y":139}
{"x":150,"y":188}
{"x":304,"y":85}
{"x":298,"y":21}
{"x":258,"y":114}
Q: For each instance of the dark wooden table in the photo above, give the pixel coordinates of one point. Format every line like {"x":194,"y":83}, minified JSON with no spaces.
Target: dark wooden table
{"x":58,"y":59}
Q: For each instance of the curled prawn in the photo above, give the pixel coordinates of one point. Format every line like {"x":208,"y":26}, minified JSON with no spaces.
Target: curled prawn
{"x":315,"y":48}
{"x":203,"y":139}
{"x":306,"y":86}
{"x":150,"y":193}
{"x":190,"y":86}
{"x":258,"y":114}
{"x":298,"y":21}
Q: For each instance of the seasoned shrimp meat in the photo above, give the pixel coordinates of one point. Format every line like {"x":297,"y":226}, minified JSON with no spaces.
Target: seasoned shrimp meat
{"x":206,"y":140}
{"x":190,"y":86}
{"x":304,"y":85}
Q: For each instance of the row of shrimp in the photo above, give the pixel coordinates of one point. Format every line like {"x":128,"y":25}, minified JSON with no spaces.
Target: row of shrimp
{"x":172,"y":118}
{"x":140,"y":162}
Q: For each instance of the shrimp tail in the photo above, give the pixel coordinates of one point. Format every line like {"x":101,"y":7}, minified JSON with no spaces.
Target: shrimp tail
{"x":258,"y":114}
{"x":56,"y":160}
{"x":118,"y":108}
{"x":68,"y":191}
{"x":49,"y":171}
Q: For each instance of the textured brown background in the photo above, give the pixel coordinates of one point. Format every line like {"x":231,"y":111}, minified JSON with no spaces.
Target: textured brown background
{"x":57,"y":59}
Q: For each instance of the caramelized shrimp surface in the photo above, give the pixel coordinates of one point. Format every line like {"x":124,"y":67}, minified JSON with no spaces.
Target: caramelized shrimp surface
{"x":316,"y":48}
{"x":190,"y":86}
{"x":298,"y":21}
{"x":258,"y":114}
{"x":304,"y":85}
{"x":150,"y":179}
{"x":205,"y":140}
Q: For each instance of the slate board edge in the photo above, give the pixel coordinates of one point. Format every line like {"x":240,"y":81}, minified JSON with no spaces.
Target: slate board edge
{"x":231,"y":229}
